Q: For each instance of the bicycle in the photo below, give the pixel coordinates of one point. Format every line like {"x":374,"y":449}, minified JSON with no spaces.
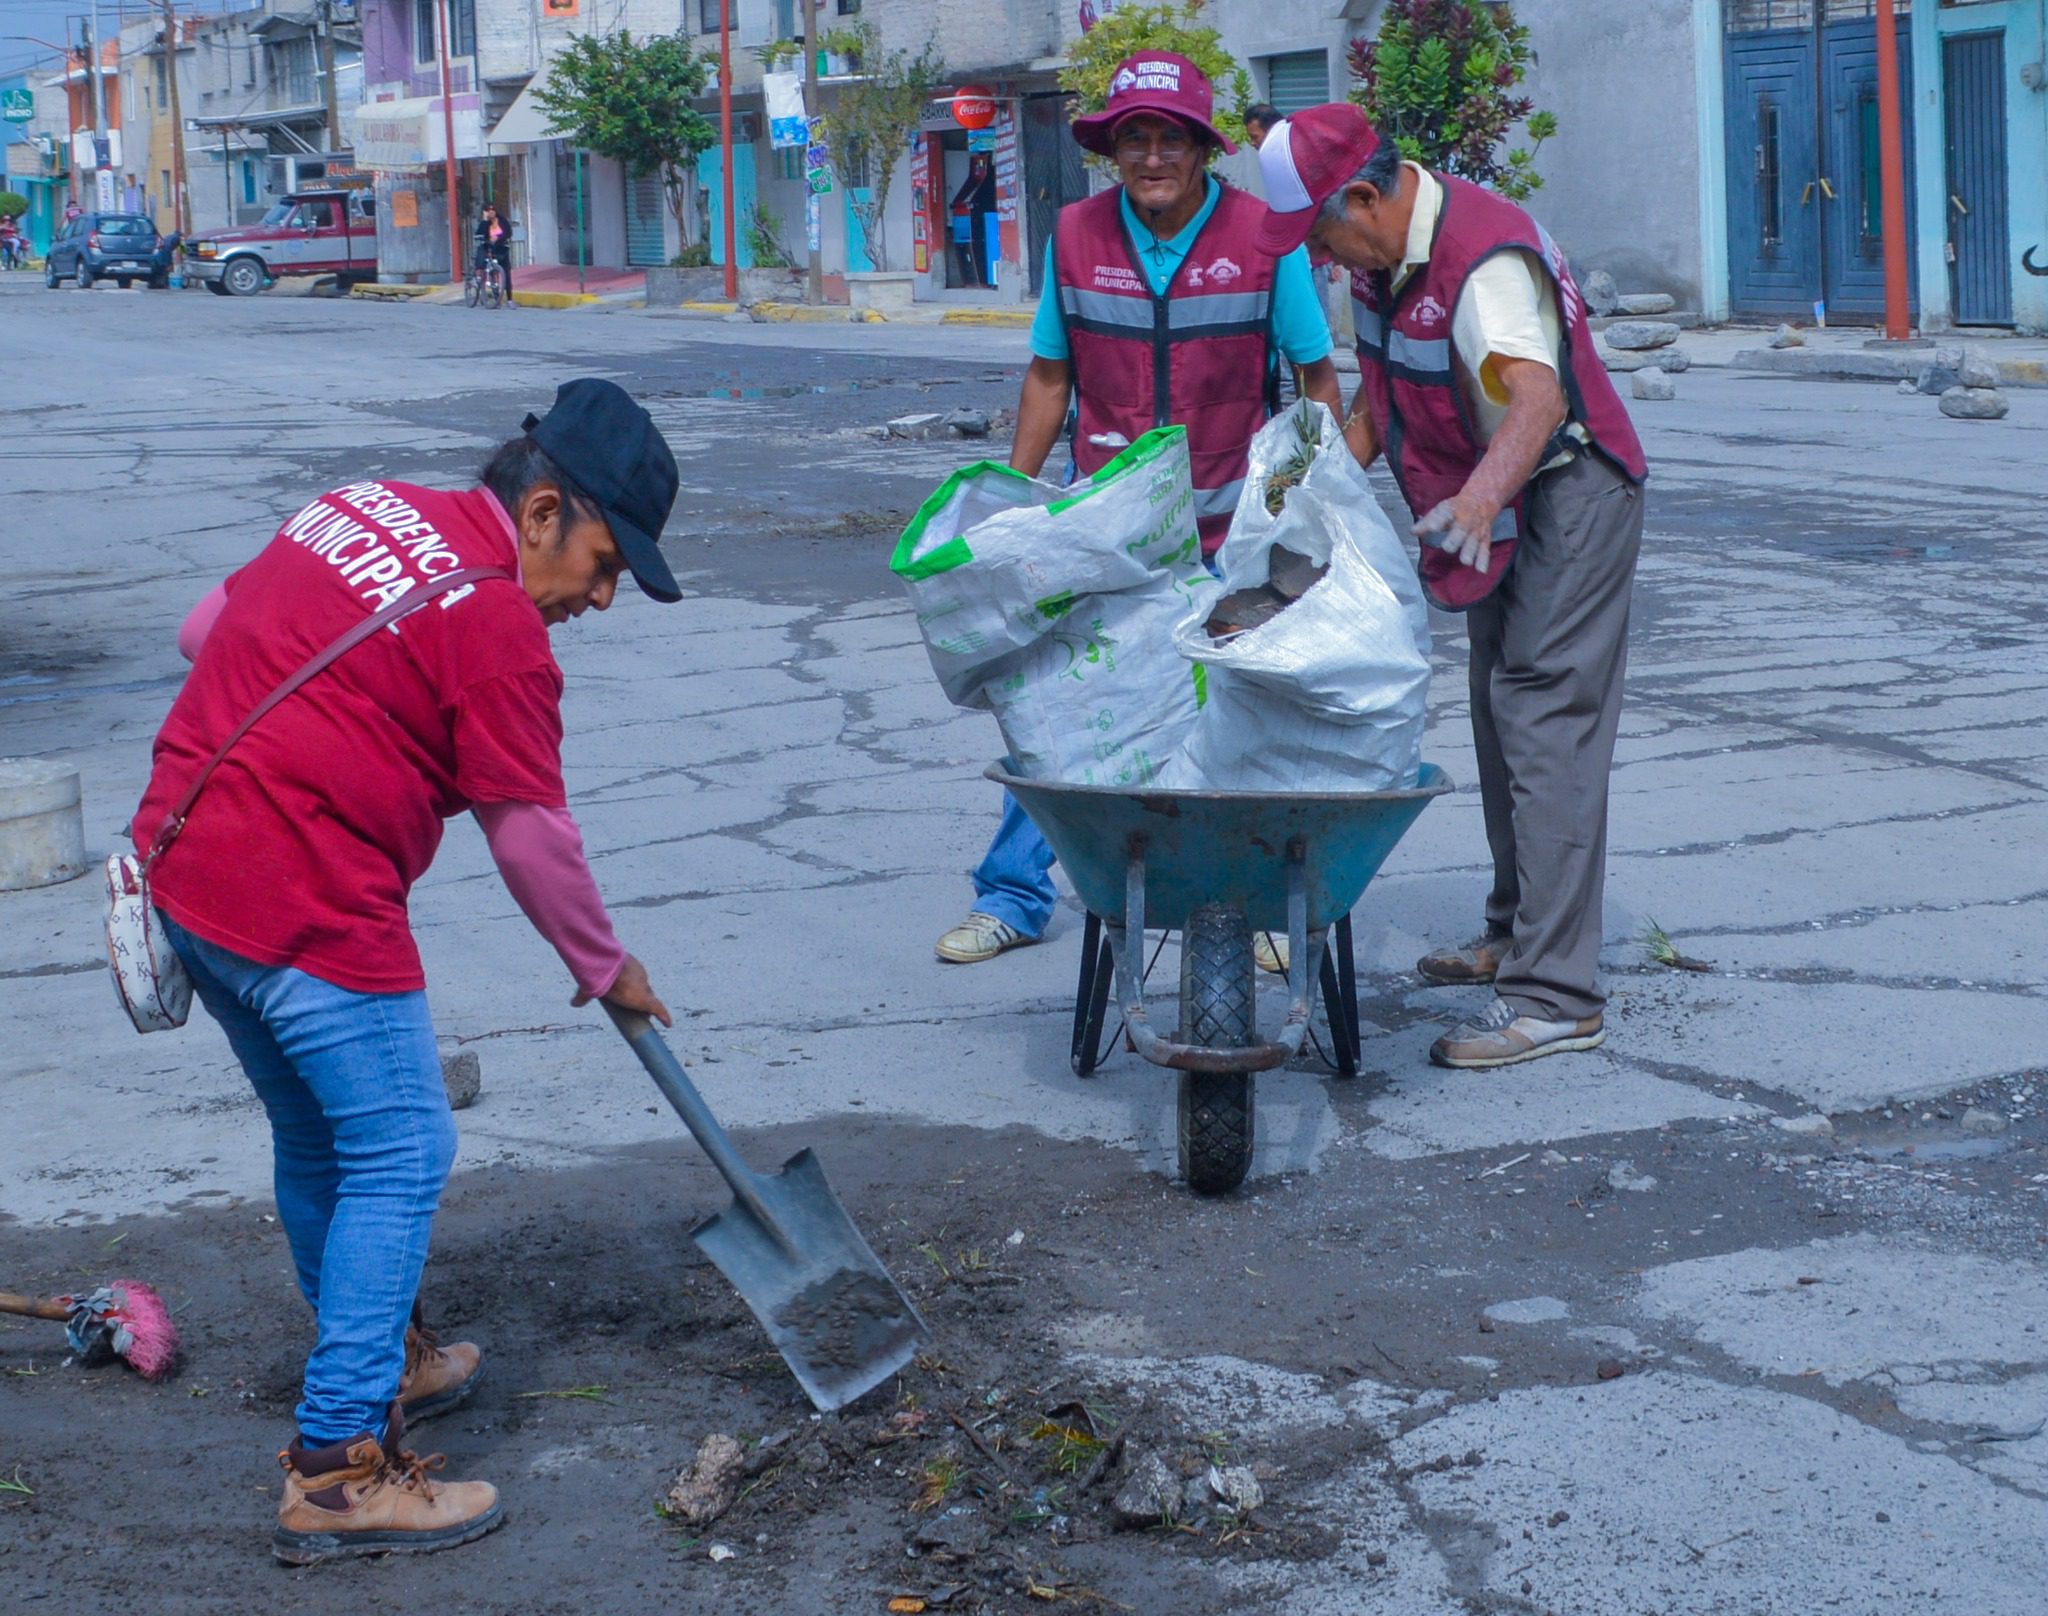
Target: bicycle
{"x":486,"y":283}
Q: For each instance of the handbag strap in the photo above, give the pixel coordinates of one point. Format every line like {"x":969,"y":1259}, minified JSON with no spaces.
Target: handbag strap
{"x":410,"y":601}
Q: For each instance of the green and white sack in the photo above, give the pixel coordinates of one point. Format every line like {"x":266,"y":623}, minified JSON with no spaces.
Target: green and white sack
{"x":1055,"y":608}
{"x":1328,"y":695}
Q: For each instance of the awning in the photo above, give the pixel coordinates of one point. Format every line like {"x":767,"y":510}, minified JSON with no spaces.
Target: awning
{"x":406,"y":137}
{"x":525,"y":122}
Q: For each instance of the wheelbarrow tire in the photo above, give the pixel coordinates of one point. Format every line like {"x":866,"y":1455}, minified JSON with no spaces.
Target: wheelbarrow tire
{"x":1217,"y":1001}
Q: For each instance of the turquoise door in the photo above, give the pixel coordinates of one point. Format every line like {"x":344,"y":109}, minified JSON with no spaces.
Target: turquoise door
{"x":858,"y":262}
{"x":710,"y":175}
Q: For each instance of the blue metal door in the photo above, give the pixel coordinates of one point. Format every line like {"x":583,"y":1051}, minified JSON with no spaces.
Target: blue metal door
{"x":1774,"y":250}
{"x":1852,"y":191}
{"x":1979,"y":247}
{"x":1805,"y":199}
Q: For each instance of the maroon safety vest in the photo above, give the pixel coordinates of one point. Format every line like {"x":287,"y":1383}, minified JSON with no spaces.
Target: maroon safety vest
{"x":1411,"y":374}
{"x":1196,"y":357}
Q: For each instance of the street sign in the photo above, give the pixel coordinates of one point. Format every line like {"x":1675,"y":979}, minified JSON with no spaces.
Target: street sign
{"x":17,"y":106}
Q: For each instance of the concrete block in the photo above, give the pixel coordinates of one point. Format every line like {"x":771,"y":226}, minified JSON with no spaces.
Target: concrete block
{"x":42,"y":827}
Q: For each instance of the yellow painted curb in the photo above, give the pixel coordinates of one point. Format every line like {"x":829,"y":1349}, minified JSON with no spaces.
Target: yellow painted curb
{"x":802,"y":313}
{"x":1020,"y":319}
{"x":2023,"y":372}
{"x":552,"y":300}
{"x":710,"y":308}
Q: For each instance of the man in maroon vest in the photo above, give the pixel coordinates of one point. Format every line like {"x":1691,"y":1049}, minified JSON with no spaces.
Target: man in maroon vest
{"x":1480,"y":382}
{"x":1159,"y":309}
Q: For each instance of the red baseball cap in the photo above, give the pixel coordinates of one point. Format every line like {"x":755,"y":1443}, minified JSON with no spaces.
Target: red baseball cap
{"x":1306,"y":160}
{"x":1157,"y":82}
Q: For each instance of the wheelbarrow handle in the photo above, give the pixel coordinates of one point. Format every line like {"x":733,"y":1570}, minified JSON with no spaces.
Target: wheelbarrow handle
{"x":639,"y":1031}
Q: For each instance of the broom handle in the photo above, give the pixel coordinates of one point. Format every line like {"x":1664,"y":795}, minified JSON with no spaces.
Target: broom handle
{"x":36,"y":1307}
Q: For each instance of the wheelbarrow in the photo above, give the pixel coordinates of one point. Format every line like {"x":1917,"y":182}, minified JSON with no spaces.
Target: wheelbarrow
{"x":1218,"y":866}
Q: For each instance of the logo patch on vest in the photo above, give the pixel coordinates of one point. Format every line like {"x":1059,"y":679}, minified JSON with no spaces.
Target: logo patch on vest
{"x":1429,"y":312}
{"x":1569,"y":298}
{"x":1117,"y":278}
{"x":1223,"y":272}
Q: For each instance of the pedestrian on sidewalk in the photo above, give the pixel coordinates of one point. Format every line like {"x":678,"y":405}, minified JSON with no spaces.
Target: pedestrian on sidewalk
{"x":1480,"y":381}
{"x":1160,"y":308}
{"x":284,"y":891}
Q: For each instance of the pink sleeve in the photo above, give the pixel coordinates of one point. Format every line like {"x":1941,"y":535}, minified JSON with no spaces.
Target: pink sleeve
{"x":539,"y":852}
{"x":192,"y":635}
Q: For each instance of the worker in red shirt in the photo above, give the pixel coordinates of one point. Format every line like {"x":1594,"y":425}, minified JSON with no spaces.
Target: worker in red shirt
{"x":284,"y":891}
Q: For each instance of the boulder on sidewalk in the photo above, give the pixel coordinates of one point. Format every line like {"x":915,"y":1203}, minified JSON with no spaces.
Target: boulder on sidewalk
{"x":1786,"y":337}
{"x":1600,"y":292}
{"x":1635,"y":336}
{"x":1974,"y":403}
{"x":1641,"y":303}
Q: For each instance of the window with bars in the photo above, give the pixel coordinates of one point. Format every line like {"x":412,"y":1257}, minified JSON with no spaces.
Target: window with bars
{"x":1297,"y":80}
{"x":1769,"y":178}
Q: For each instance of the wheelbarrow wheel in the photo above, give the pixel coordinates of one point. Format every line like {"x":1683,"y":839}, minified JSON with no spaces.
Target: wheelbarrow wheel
{"x":1217,"y":1000}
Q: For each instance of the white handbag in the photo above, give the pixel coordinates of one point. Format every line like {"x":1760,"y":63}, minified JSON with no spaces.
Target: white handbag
{"x":149,"y":979}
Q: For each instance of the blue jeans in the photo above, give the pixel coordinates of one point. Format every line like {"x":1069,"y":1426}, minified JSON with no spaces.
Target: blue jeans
{"x":364,"y":1142}
{"x":1011,"y":881}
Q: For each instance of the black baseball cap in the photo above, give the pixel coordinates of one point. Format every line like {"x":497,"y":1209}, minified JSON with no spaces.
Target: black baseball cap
{"x":610,"y":447}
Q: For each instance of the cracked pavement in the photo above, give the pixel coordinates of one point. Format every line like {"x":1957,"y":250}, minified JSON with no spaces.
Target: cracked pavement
{"x":1831,"y":787}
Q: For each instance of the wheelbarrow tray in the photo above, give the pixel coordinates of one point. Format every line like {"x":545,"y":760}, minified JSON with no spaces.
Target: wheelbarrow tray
{"x":1244,"y":849}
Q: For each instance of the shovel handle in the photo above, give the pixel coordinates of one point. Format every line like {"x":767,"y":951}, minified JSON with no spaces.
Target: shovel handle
{"x":56,"y":1308}
{"x":639,"y":1031}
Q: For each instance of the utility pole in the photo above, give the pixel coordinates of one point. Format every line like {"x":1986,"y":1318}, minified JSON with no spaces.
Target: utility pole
{"x":333,"y":95}
{"x":732,"y":268}
{"x":181,"y":216}
{"x":457,"y":269}
{"x":1891,"y":162}
{"x":814,"y":293}
{"x":103,"y":184}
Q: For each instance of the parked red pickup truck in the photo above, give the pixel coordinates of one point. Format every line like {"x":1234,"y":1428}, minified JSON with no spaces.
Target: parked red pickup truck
{"x":306,"y":233}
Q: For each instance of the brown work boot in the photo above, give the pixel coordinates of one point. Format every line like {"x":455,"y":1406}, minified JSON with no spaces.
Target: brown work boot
{"x":436,"y":1378}
{"x":1462,"y":967}
{"x":369,"y":1497}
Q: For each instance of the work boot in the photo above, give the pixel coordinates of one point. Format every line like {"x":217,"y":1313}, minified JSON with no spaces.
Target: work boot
{"x":364,"y":1496}
{"x":980,"y":937}
{"x":1475,"y":962}
{"x":1499,"y":1036}
{"x":1269,"y":952}
{"x":436,"y":1378}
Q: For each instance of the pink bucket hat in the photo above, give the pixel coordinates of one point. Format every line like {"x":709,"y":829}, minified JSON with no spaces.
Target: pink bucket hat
{"x":1157,"y":82}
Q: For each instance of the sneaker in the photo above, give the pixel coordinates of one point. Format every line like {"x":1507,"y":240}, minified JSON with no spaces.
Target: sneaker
{"x":1500,"y":1037}
{"x":1462,"y":967}
{"x":436,"y":1378}
{"x":366,"y":1496}
{"x":1269,"y":952}
{"x":980,"y":937}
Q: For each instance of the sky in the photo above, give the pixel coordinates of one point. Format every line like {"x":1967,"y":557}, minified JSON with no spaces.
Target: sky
{"x":59,"y":20}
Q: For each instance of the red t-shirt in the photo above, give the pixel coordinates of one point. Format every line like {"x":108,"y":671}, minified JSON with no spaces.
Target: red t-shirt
{"x":303,"y":845}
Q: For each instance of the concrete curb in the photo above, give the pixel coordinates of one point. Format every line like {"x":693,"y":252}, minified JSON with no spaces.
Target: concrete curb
{"x":1012,"y":319}
{"x":374,"y":291}
{"x":554,"y":300}
{"x":1853,"y":365}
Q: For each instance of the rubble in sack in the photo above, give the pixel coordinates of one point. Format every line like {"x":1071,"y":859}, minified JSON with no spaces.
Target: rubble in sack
{"x":1291,"y":576}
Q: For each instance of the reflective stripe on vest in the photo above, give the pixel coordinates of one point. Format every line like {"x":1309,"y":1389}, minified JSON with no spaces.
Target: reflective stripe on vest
{"x":1105,"y":312}
{"x":1220,"y":501}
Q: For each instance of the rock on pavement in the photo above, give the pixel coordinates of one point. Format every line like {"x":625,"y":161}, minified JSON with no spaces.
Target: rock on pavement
{"x":462,"y":1075}
{"x":1599,"y":290}
{"x":1633,"y":335}
{"x":707,"y":1489}
{"x":1150,"y":1493}
{"x":1653,"y":384}
{"x":1974,"y":403}
{"x":1976,"y":371}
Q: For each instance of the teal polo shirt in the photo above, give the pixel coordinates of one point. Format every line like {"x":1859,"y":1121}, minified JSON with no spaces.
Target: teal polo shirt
{"x":1300,"y":328}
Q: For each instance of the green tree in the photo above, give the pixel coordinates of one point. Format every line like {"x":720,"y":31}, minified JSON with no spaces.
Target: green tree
{"x":873,"y":119}
{"x":12,"y":204}
{"x":629,"y":100}
{"x":1440,"y":80}
{"x":1092,"y":59}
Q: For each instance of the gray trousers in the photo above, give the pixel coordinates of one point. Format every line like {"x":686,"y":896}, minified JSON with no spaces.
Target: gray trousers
{"x":1549,"y":649}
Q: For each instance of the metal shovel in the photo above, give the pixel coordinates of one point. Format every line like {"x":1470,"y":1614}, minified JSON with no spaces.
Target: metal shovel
{"x":840,"y":1322}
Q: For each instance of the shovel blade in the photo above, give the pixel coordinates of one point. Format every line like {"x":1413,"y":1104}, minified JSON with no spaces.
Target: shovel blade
{"x":840,"y":1322}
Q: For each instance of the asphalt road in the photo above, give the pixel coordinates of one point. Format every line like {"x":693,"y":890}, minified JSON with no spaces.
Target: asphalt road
{"x":1595,"y":1336}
